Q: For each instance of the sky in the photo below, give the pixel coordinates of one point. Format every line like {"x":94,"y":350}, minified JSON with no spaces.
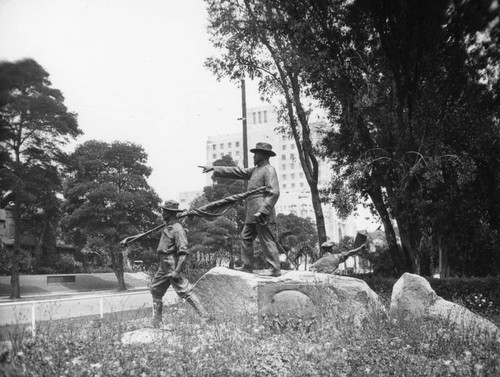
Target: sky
{"x":133,"y":70}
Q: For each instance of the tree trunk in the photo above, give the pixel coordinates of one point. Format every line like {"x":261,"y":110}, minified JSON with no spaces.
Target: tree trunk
{"x":84,"y":262}
{"x":117,"y":264}
{"x":444,"y":266}
{"x":15,"y":288}
{"x":409,"y":235}
{"x":425,"y":251}
{"x":231,"y":257}
{"x":390,"y":235}
{"x":305,"y":149}
{"x":318,"y":213}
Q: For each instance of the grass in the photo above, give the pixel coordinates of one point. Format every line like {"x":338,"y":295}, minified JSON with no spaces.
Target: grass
{"x":239,"y":347}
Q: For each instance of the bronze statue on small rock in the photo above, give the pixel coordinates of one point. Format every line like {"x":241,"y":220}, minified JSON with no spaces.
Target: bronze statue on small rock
{"x":330,"y":262}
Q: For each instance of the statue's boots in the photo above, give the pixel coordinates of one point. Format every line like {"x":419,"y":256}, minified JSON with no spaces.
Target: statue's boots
{"x":157,"y":313}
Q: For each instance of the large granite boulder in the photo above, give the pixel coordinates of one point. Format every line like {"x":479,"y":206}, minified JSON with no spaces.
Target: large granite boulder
{"x":296,"y":294}
{"x":412,"y":297}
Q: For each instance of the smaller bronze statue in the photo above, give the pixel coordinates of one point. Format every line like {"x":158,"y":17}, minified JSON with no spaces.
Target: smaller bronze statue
{"x":330,"y":262}
{"x":172,"y":252}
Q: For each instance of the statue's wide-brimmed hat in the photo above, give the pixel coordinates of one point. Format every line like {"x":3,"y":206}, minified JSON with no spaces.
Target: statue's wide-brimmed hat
{"x":172,"y":206}
{"x":327,"y":244}
{"x":264,"y":147}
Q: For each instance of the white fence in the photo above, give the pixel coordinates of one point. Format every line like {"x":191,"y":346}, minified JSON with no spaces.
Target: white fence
{"x":31,"y":312}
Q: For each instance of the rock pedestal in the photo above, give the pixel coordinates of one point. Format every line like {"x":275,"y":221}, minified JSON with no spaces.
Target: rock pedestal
{"x":412,"y":297}
{"x":297,"y":294}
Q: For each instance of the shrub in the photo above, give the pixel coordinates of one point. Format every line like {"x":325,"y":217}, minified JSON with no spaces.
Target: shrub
{"x":481,"y":295}
{"x":379,"y":284}
{"x":46,"y":270}
{"x":67,"y":264}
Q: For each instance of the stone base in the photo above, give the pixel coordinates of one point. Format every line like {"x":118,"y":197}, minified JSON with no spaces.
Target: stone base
{"x":296,"y":294}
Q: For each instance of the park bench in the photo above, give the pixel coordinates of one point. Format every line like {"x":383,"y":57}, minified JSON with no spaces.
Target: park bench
{"x":56,"y":279}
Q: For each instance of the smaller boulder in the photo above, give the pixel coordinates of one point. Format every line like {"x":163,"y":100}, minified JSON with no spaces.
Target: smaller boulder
{"x":412,"y":297}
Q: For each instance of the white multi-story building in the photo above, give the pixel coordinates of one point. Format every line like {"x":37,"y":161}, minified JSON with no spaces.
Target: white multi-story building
{"x":295,"y":195}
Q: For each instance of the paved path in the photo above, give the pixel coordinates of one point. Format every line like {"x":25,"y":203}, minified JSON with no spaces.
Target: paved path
{"x":90,"y":295}
{"x":79,"y":305}
{"x":38,"y":284}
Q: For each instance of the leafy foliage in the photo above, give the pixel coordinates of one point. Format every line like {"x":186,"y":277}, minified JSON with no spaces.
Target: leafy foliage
{"x":108,"y":198}
{"x":35,"y":125}
{"x":412,"y":93}
{"x":298,"y":236}
{"x":216,"y":239}
{"x":253,"y":42}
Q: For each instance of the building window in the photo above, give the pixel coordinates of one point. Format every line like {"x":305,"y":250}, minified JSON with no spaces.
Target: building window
{"x":293,"y":185}
{"x":301,"y":175}
{"x":214,"y":156}
{"x":283,"y":176}
{"x":260,"y":117}
{"x":283,"y":156}
{"x":229,"y":145}
{"x":283,"y":147}
{"x":292,"y":176}
{"x":301,"y":184}
{"x":237,"y":153}
{"x":284,"y":185}
{"x":283,"y":166}
{"x":237,"y":144}
{"x":292,"y":146}
{"x":229,"y":153}
{"x":265,"y":116}
{"x":214,"y":147}
{"x":292,"y":166}
{"x":254,"y":118}
{"x":283,"y":138}
{"x":222,"y":146}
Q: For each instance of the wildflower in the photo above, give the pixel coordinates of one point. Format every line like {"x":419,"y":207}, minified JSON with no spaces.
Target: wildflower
{"x":478,"y":367}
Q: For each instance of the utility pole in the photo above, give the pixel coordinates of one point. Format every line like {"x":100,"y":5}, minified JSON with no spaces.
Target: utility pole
{"x":244,"y":120}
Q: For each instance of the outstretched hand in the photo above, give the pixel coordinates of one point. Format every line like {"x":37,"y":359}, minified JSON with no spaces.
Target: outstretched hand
{"x":206,"y":169}
{"x":126,"y":241}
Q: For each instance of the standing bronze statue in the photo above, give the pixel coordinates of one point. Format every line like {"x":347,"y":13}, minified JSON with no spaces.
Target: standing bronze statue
{"x":260,"y":212}
{"x":172,"y":252}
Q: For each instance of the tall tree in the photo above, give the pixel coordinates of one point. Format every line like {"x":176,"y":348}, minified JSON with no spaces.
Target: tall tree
{"x":35,"y":126}
{"x":108,"y":198}
{"x":412,"y":92}
{"x":298,"y":236}
{"x":218,"y":236}
{"x":251,"y":41}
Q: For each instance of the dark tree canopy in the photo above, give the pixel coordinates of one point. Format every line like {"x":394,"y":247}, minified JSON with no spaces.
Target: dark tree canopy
{"x":217,"y":238}
{"x":35,"y":125}
{"x":108,"y":198}
{"x":412,"y":92}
